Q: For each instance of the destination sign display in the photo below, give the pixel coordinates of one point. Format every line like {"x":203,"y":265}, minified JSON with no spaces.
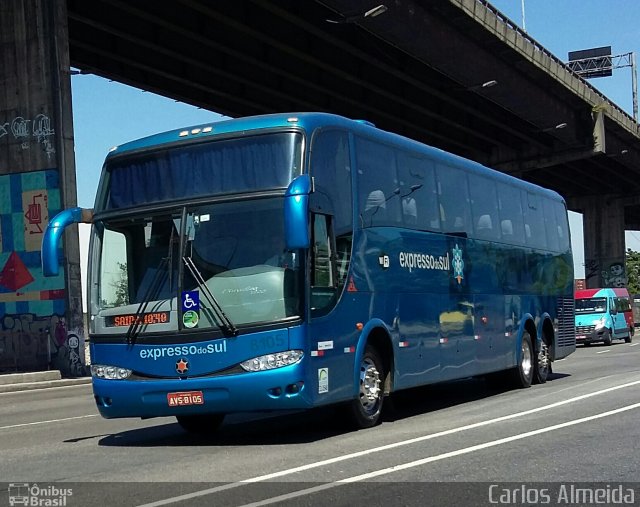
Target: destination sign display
{"x":142,"y":319}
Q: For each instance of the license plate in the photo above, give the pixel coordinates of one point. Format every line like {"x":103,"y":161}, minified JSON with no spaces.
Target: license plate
{"x":185,"y":398}
{"x":580,"y":337}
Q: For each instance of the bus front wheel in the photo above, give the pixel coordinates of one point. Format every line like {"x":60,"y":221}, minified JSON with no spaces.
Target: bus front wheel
{"x":366,"y":409}
{"x":200,"y":424}
{"x":522,"y":375}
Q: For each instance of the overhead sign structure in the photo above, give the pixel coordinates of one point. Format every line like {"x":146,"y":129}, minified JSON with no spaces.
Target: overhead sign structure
{"x":588,"y":63}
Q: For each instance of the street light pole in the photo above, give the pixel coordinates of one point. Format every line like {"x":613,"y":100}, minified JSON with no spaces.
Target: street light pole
{"x":524,"y":26}
{"x":634,"y":86}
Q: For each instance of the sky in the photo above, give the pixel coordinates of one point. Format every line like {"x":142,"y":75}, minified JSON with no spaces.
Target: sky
{"x":107,"y":113}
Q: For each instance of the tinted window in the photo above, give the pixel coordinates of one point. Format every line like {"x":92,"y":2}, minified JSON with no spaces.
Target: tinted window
{"x":454,"y":199}
{"x":418,"y":195}
{"x":562,"y":225}
{"x":484,"y":207}
{"x":550,"y":225}
{"x":378,"y":190}
{"x":331,"y":170}
{"x":217,"y":167}
{"x":510,"y":210}
{"x":534,"y":231}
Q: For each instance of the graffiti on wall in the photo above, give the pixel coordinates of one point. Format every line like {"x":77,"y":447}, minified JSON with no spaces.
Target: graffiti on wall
{"x":33,"y":332}
{"x":26,"y":132}
{"x":31,"y":343}
{"x":606,"y":273}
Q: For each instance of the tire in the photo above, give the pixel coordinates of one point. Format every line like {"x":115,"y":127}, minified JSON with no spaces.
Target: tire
{"x":200,"y":424}
{"x":630,"y":337}
{"x":365,"y":411}
{"x":608,"y":340}
{"x":542,"y":365}
{"x":522,"y":375}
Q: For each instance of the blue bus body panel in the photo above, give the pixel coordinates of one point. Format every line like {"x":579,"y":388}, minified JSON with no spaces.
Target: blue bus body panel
{"x":155,"y":369}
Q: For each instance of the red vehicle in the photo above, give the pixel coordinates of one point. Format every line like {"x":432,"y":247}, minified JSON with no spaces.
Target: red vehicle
{"x":624,"y":303}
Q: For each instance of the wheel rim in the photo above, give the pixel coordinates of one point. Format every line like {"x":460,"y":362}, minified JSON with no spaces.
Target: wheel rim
{"x":543,"y":359}
{"x":369,"y":386}
{"x":526,"y":358}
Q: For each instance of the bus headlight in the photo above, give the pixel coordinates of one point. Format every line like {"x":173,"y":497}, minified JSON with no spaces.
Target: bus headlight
{"x":272,"y":361}
{"x":109,"y":372}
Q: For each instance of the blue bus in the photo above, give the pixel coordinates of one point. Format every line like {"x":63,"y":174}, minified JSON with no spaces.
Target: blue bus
{"x":289,"y":261}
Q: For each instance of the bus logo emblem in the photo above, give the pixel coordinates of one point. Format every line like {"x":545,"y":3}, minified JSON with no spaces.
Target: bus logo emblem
{"x":458,"y":264}
{"x":182,"y":366}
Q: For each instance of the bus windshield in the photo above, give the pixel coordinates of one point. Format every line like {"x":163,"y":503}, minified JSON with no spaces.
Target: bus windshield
{"x":233,"y":259}
{"x":593,"y":305}
{"x":225,"y":166}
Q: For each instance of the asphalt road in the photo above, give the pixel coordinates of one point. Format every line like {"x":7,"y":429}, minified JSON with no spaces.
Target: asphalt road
{"x":458,"y":443}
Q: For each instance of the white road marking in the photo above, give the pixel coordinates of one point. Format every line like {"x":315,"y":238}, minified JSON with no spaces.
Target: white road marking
{"x":439,"y":457}
{"x":43,"y":389}
{"x":47,"y":422}
{"x":603,"y":351}
{"x":402,"y":443}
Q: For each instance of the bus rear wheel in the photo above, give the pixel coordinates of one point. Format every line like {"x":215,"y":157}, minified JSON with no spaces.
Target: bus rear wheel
{"x":542,"y":363}
{"x":200,"y":424}
{"x":522,"y":375}
{"x":365,"y":411}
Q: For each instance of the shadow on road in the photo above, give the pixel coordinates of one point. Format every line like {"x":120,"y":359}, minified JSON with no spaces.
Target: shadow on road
{"x":313,"y":425}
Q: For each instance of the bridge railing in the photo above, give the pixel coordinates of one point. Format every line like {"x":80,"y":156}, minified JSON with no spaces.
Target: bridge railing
{"x":539,"y":47}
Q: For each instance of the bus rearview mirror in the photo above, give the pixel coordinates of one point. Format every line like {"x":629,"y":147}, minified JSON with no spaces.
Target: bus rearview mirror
{"x":296,"y":213}
{"x":53,"y":233}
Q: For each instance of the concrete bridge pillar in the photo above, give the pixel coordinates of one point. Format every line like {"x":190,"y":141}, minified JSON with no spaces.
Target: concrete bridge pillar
{"x":604,"y":241}
{"x":41,"y":319}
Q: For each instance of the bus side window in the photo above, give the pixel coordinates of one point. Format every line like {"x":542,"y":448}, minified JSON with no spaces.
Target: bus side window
{"x":534,"y":221}
{"x":550,"y":226}
{"x":323,"y":276}
{"x":453,"y":195}
{"x":378,"y":188}
{"x":484,"y":207}
{"x":416,"y":180}
{"x":510,"y":210}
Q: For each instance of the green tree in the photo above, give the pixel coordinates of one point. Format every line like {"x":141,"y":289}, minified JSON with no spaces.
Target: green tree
{"x":121,"y":286}
{"x":632,"y":263}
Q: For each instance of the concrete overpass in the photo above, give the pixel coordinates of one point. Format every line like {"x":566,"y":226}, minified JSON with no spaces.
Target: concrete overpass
{"x":417,"y":68}
{"x":452,"y":73}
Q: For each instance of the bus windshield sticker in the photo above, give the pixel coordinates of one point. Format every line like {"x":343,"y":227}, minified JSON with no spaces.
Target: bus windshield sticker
{"x":191,"y":301}
{"x":190,"y":319}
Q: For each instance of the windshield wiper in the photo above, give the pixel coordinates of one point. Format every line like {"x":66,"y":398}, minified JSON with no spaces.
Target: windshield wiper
{"x":162,"y":272}
{"x":154,"y":288}
{"x":224,"y":322}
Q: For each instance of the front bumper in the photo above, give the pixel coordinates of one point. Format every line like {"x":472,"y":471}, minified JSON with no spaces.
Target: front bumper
{"x":280,"y":389}
{"x":589,"y":334}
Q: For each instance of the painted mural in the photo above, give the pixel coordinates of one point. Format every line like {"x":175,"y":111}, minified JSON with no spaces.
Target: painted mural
{"x":606,"y":273}
{"x":33,"y":333}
